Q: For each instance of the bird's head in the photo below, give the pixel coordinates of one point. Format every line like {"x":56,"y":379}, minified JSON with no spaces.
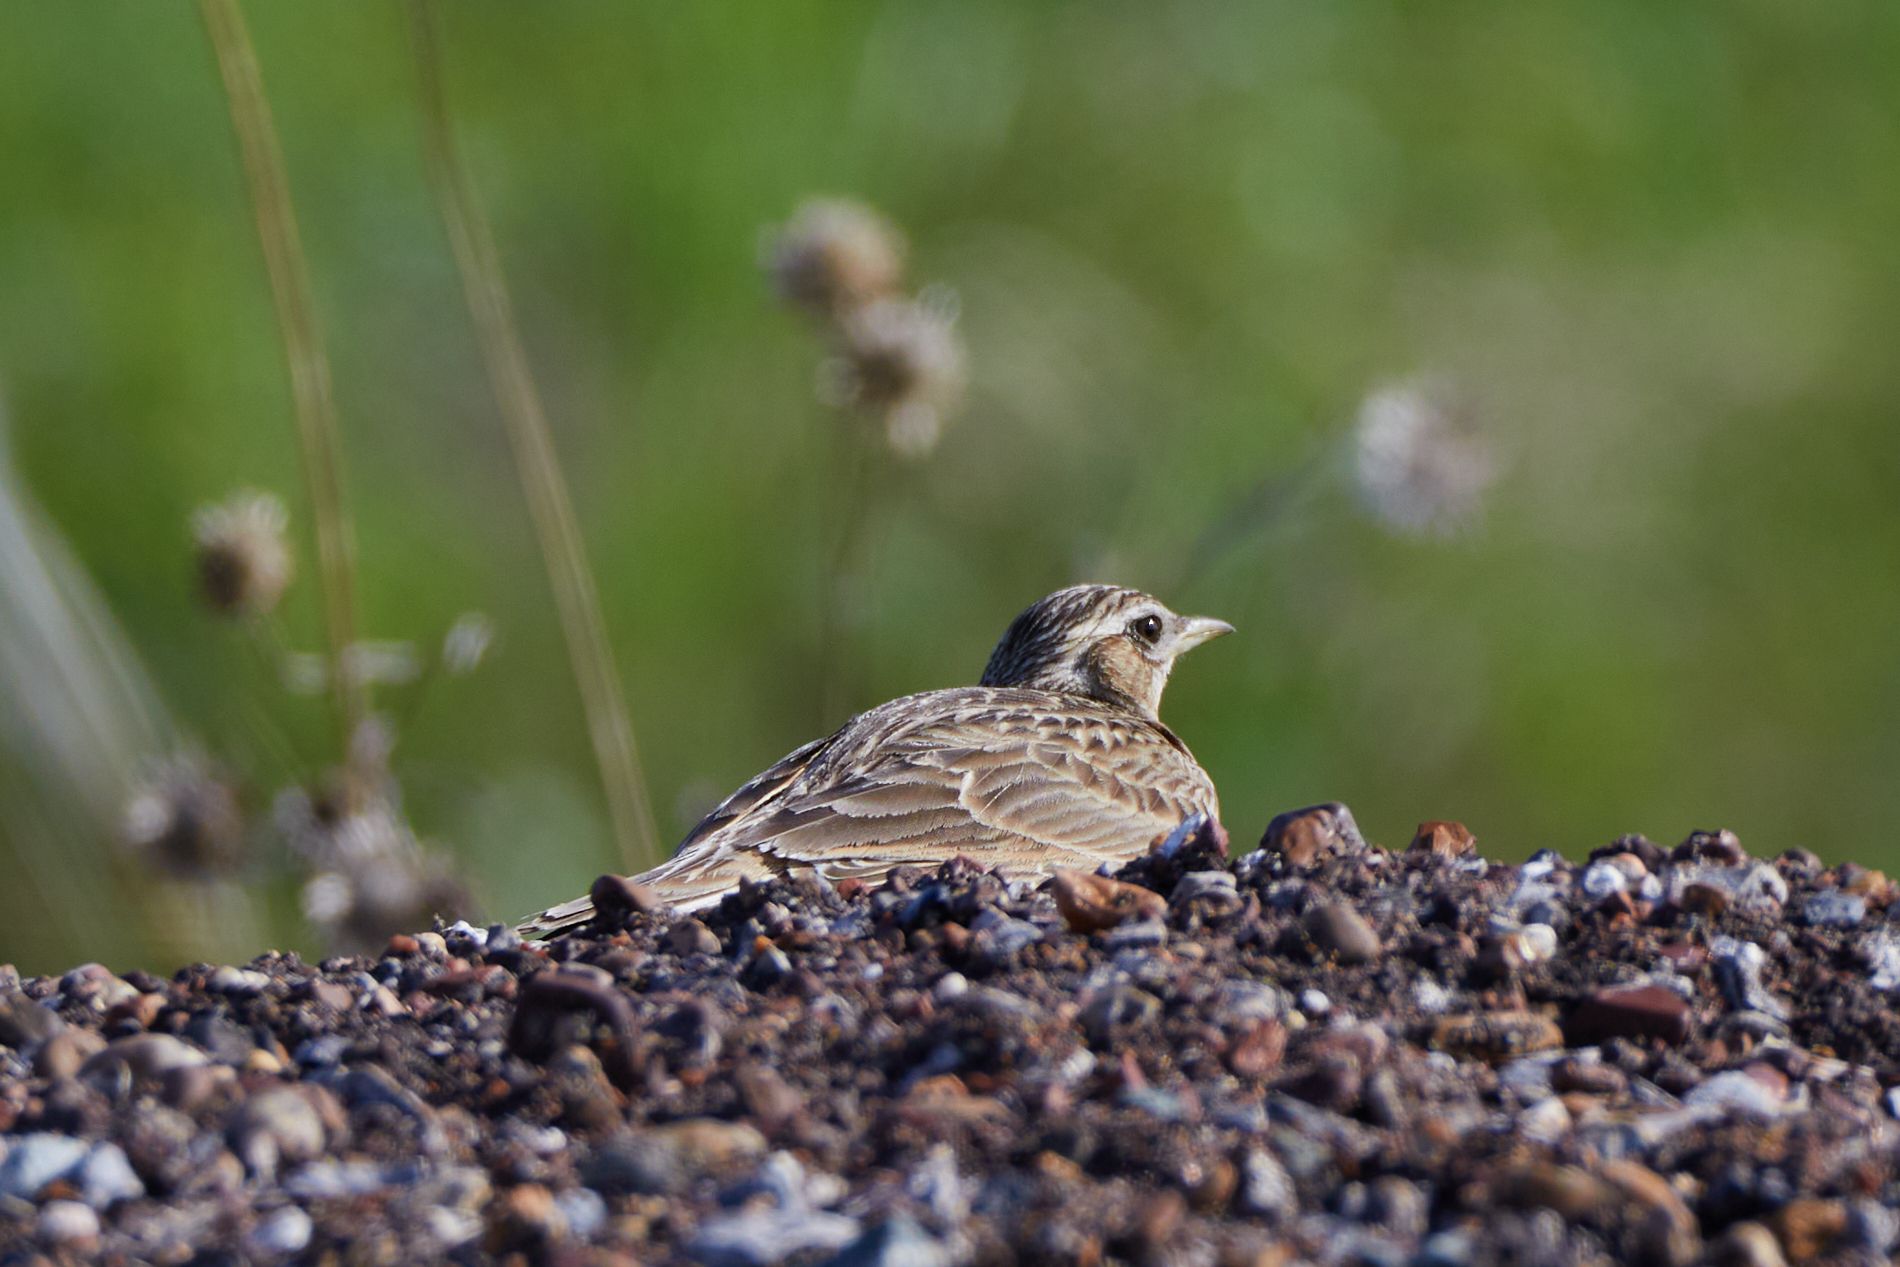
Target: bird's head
{"x":1109,"y":643}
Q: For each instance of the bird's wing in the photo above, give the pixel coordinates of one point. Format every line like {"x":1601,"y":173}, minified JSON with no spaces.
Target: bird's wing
{"x":1027,"y":786}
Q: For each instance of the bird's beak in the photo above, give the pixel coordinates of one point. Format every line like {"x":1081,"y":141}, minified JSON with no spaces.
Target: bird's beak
{"x":1198,"y":629}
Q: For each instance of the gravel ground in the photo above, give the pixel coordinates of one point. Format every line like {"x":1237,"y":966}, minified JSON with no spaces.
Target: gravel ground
{"x":1322,"y":1051}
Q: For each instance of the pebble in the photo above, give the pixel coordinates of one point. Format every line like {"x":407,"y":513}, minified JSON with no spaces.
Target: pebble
{"x":1342,"y":932}
{"x":583,"y":1210}
{"x":1834,"y":910}
{"x":105,"y":1176}
{"x":1444,"y":839}
{"x":281,"y":1124}
{"x":764,"y":1238}
{"x":68,"y":1223}
{"x":1496,"y":1036}
{"x":143,"y":1056}
{"x":1302,"y":836}
{"x":238,"y":982}
{"x":690,"y":937}
{"x":1092,"y":903}
{"x":1601,"y":879}
{"x":1735,"y":1092}
{"x":1642,"y":1011}
{"x":899,"y":1241}
{"x":34,"y":1161}
{"x":1747,"y":1244}
{"x":1808,"y":1226}
{"x":280,"y":1233}
{"x":25,"y":1023}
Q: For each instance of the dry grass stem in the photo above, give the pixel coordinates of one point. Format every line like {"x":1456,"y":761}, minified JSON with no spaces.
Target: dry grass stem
{"x":609,"y":725}
{"x":319,"y":447}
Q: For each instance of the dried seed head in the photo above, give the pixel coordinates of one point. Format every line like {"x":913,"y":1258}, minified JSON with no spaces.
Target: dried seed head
{"x":373,"y":877}
{"x":901,"y":361}
{"x":834,"y":256}
{"x":243,"y":561}
{"x":1421,"y":464}
{"x":361,"y":907}
{"x":184,"y":819}
{"x":466,"y":642}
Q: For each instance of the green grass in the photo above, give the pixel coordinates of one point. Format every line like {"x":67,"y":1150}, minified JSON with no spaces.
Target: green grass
{"x":1188,"y":241}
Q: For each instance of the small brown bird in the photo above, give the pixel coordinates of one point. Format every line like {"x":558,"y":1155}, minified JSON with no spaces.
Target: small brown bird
{"x":1056,"y":760}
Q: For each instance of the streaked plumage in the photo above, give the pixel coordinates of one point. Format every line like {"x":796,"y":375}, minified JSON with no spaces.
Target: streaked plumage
{"x":1056,"y":760}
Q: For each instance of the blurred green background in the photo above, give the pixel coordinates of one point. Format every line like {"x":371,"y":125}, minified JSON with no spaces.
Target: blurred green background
{"x":1656,"y":243}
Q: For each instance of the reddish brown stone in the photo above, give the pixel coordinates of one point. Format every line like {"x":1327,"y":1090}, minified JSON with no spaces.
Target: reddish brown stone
{"x":1443,"y":839}
{"x":1643,"y":1011}
{"x":1302,"y":836}
{"x":1090,"y":903}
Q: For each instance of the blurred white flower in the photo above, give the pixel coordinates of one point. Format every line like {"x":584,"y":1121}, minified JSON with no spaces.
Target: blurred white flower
{"x":1420,"y":463}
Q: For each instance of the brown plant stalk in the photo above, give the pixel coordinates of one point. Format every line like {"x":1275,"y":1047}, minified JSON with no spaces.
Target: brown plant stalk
{"x":319,"y":448}
{"x":577,"y":599}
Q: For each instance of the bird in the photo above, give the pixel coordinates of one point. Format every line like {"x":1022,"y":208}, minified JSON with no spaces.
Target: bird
{"x":1057,"y":758}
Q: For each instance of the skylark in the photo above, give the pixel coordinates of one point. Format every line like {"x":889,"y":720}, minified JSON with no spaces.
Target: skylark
{"x":1057,"y":759}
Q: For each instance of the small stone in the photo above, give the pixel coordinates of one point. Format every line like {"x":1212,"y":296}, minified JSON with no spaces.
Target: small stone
{"x":25,"y":1023}
{"x":1644,"y":1011}
{"x":280,"y":1233}
{"x":1257,"y":1050}
{"x":1601,"y":879}
{"x":1699,"y":898}
{"x":1000,"y":938}
{"x":1833,"y":909}
{"x":33,"y":1161}
{"x":1571,"y":1191}
{"x":1735,"y":1091}
{"x":1669,"y":1232}
{"x":690,"y":937}
{"x":1747,"y":1244}
{"x":287,"y":1123}
{"x":105,"y":1176}
{"x":66,"y":1053}
{"x":525,"y":1217}
{"x":1443,"y":839}
{"x":238,"y":982}
{"x":899,"y":1241}
{"x":583,"y":1210}
{"x":1266,"y":1189}
{"x":1342,"y":932}
{"x":144,"y":1056}
{"x":1722,"y":847}
{"x":68,"y":1223}
{"x":1496,"y":1036}
{"x":1546,"y":1121}
{"x":617,"y":899}
{"x":1873,"y":885}
{"x":1208,"y":892}
{"x":705,"y":1144}
{"x":1301,"y":836}
{"x":1112,"y":1013}
{"x":1807,"y":1226}
{"x":765,"y":1237}
{"x":1092,"y":903}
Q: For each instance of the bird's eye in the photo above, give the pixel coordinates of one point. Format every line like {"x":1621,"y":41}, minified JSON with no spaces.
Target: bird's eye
{"x":1145,"y":628}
